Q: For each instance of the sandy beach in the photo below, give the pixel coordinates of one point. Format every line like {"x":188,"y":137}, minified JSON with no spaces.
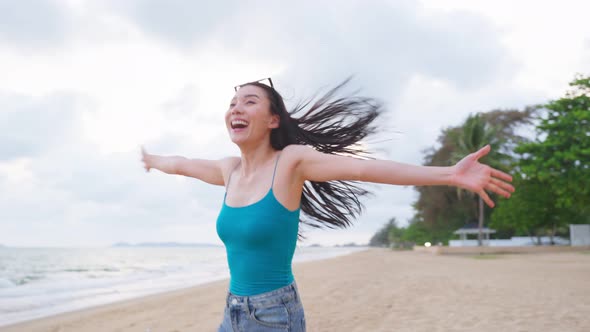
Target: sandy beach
{"x":381,"y":290}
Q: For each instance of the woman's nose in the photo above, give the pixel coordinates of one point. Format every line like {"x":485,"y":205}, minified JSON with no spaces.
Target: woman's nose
{"x":236,"y":109}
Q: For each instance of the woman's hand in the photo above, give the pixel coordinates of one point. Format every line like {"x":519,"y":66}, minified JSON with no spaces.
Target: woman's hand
{"x":145,"y":159}
{"x":474,"y":176}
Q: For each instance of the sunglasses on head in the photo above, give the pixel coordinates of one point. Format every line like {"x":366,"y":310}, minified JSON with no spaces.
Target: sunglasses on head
{"x":266,"y":81}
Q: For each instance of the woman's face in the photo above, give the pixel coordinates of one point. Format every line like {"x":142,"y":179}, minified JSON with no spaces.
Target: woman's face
{"x":248,"y":118}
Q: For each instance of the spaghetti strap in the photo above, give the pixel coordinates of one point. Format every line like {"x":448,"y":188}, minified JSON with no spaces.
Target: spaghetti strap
{"x":275,"y":171}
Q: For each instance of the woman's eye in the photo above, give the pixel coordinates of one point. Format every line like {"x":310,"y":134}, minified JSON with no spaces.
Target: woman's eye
{"x":232,"y":105}
{"x":250,"y":102}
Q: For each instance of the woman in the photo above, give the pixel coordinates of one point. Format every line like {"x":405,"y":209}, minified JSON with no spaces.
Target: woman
{"x":291,"y":164}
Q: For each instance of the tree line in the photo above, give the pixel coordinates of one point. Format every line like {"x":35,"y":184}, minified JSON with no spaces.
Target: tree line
{"x":551,"y":174}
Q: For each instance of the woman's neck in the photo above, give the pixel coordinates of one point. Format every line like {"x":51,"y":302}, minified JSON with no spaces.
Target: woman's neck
{"x":254,"y":158}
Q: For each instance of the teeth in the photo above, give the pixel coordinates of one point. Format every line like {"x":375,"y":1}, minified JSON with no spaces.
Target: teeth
{"x":239,"y":122}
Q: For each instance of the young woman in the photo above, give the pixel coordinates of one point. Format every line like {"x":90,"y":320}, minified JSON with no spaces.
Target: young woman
{"x":291,"y":164}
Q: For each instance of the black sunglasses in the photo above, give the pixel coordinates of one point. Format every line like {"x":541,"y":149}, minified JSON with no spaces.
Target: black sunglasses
{"x":266,"y":81}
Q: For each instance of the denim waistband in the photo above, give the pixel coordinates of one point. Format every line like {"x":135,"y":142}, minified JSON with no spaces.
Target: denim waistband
{"x":285,"y":295}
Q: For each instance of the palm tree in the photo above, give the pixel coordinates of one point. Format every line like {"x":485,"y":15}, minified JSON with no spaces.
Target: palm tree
{"x":474,"y":134}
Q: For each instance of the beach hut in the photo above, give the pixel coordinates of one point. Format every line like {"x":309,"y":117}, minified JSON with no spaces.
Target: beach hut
{"x":472,"y":229}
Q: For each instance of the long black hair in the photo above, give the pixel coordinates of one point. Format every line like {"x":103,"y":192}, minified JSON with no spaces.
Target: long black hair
{"x":334,"y":125}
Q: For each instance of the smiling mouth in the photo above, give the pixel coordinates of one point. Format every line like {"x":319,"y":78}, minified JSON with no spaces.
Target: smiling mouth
{"x":239,"y":124}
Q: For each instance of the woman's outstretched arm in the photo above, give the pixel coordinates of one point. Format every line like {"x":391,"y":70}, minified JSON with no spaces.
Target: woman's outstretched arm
{"x":468,"y":174}
{"x":210,"y":171}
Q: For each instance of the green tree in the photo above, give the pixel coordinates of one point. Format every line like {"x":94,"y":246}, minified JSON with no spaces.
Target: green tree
{"x":560,"y":155}
{"x":381,"y":237}
{"x":552,"y":176}
{"x":396,"y":235}
{"x":528,"y":211}
{"x":417,"y":232}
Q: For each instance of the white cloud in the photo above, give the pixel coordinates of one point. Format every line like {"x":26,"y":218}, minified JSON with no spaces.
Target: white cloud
{"x":29,"y":125}
{"x":31,"y":24}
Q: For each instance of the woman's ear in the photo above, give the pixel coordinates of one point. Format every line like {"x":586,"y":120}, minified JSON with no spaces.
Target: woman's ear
{"x":274,"y":121}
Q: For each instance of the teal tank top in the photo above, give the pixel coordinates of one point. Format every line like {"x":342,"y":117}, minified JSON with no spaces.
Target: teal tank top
{"x":260,"y":241}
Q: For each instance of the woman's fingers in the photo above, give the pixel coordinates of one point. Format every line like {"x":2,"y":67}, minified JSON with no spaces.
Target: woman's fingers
{"x":501,"y":175}
{"x":482,"y":193}
{"x":496,"y":189}
{"x":498,"y":180}
{"x":483,"y":151}
{"x":506,"y":186}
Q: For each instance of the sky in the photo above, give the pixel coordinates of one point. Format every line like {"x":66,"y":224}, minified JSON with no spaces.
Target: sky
{"x":85,"y":83}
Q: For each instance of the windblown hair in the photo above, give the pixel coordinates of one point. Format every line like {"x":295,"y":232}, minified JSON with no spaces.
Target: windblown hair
{"x":333,"y":125}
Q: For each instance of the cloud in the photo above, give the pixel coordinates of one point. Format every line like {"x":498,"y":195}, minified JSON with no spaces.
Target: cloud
{"x":182,"y":23}
{"x":33,"y":23}
{"x":30,"y":125}
{"x":384,"y":43}
{"x":55,"y":182}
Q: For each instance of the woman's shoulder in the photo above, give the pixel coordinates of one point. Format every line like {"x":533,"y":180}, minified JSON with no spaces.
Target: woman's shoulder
{"x":227,"y":164}
{"x":294,"y":152}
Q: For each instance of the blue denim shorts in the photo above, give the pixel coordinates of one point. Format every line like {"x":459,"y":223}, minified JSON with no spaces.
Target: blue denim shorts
{"x":277,"y":310}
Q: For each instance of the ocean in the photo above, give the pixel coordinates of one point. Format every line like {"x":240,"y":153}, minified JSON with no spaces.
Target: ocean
{"x":39,"y":282}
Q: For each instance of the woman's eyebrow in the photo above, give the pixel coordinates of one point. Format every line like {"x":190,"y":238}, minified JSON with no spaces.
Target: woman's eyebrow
{"x":245,"y":96}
